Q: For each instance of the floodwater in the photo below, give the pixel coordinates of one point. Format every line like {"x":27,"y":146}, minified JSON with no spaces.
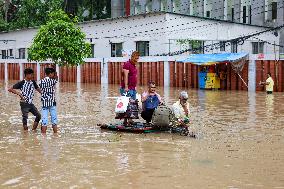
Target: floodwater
{"x":240,"y":144}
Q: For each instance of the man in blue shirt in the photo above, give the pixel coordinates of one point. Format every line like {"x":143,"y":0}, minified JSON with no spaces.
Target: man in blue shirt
{"x":150,"y":99}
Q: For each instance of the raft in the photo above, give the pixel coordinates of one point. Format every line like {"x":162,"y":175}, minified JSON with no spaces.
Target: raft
{"x":137,"y":127}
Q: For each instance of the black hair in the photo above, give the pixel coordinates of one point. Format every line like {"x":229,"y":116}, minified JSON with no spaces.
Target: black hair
{"x":28,"y":71}
{"x":49,"y":71}
{"x":269,"y":74}
{"x":151,"y":83}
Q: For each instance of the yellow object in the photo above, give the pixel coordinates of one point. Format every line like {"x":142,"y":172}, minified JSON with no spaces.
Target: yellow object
{"x":212,"y":81}
{"x":269,"y":87}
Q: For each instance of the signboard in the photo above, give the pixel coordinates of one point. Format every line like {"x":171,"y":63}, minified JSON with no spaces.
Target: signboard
{"x":260,"y":56}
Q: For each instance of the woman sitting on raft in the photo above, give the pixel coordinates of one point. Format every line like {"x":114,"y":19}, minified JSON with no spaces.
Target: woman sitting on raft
{"x":150,"y":101}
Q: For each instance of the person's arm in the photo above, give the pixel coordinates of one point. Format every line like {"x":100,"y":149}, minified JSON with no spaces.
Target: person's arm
{"x":160,"y":99}
{"x":14,"y":91}
{"x":126,"y":72}
{"x":176,"y":111}
{"x":36,"y":87}
{"x":145,"y":96}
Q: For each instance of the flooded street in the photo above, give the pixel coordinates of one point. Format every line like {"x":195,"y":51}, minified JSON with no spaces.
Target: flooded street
{"x":240,"y":143}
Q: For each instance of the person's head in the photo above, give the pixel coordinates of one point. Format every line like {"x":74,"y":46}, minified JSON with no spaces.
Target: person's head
{"x":152,"y":86}
{"x":183,"y":96}
{"x":268,"y":74}
{"x":29,"y":74}
{"x":50,"y":72}
{"x":134,"y":57}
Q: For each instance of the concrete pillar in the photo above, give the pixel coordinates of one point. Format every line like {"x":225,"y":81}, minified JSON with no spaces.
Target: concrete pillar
{"x":58,"y":72}
{"x":252,"y":76}
{"x":156,"y":5}
{"x":237,"y":10}
{"x":217,"y":10}
{"x":258,"y":12}
{"x":104,"y":72}
{"x":205,"y":4}
{"x":166,"y":74}
{"x":78,"y":74}
{"x":21,"y":71}
{"x":6,"y":71}
{"x":185,"y":7}
{"x":38,"y":71}
{"x":169,"y":7}
{"x":191,"y":7}
{"x":225,"y":9}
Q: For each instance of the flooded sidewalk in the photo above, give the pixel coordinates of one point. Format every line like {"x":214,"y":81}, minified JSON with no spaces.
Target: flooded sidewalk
{"x":240,"y":143}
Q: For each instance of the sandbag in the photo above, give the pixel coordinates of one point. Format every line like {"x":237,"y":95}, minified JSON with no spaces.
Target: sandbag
{"x":162,"y":116}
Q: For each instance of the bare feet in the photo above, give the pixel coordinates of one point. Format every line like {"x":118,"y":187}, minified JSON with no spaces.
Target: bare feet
{"x":35,"y":126}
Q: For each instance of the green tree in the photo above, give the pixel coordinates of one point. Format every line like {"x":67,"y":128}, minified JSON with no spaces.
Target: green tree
{"x":60,"y":40}
{"x":31,"y":13}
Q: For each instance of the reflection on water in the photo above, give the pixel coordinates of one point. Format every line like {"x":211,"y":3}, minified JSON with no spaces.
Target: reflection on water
{"x":241,"y":144}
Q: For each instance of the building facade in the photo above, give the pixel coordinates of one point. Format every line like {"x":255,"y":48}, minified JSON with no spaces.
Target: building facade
{"x":157,"y":33}
{"x":256,"y":12}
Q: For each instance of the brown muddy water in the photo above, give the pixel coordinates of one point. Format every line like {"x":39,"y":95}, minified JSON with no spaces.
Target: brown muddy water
{"x":240,"y":144}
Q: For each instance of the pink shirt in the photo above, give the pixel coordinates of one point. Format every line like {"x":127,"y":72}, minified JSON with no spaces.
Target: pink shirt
{"x":132,"y":75}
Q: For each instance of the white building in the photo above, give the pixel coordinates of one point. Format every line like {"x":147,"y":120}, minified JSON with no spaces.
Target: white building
{"x":155,"y":33}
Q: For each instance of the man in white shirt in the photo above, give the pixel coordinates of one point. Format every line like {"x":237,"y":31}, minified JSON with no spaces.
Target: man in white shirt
{"x":181,"y":109}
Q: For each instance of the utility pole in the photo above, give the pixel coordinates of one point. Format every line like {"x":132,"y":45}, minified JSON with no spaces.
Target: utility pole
{"x":276,"y":66}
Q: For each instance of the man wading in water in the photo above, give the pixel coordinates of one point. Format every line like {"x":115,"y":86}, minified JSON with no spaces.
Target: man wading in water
{"x":129,"y":80}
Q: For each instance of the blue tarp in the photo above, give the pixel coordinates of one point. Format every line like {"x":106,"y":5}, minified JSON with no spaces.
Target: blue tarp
{"x":209,"y":59}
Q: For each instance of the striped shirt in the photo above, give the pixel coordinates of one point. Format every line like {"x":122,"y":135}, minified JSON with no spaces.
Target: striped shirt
{"x":27,"y":89}
{"x":47,"y":86}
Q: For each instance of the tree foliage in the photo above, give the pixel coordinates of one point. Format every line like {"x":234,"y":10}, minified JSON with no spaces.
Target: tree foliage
{"x":60,"y":40}
{"x":17,"y":14}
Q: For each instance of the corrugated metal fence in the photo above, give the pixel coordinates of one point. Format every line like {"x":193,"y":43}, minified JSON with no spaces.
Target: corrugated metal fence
{"x":179,"y":74}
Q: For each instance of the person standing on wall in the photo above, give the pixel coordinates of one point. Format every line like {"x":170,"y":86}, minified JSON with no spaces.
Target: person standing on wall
{"x":129,"y":79}
{"x":269,"y":84}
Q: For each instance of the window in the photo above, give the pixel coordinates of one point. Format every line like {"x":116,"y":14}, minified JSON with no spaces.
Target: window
{"x":274,"y":10}
{"x":143,"y":48}
{"x":249,"y":15}
{"x":233,"y":14}
{"x":149,"y":6}
{"x":11,"y":53}
{"x":244,"y":14}
{"x":163,"y":5}
{"x":22,"y":53}
{"x":92,"y":55}
{"x":208,"y":14}
{"x":257,"y":47}
{"x":116,"y":49}
{"x":197,"y":46}
{"x":234,"y":47}
{"x":4,"y":55}
{"x":222,"y":46}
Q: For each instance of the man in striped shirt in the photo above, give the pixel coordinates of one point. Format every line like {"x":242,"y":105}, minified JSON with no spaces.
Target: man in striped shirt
{"x":27,"y":87}
{"x":47,"y":86}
